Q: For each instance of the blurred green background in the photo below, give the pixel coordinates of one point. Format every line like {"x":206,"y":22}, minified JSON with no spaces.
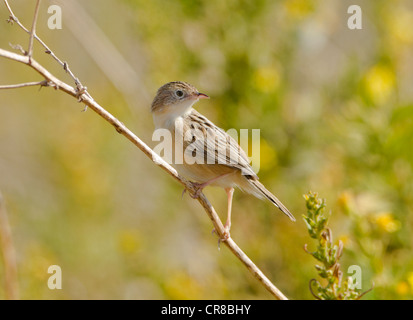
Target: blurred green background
{"x":335,"y":110}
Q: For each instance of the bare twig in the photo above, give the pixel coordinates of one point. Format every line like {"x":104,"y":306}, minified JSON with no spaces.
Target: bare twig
{"x":43,"y":83}
{"x":9,"y":255}
{"x":13,"y":18}
{"x":33,"y":31}
{"x":81,"y":94}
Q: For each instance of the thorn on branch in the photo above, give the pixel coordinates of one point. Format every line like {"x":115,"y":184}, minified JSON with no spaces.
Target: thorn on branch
{"x":48,"y":83}
{"x":80,"y":90}
{"x":43,"y":83}
{"x":12,"y":20}
{"x":118,"y":127}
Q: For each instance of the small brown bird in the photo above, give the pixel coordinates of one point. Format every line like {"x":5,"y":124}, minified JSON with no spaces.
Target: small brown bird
{"x":207,"y":154}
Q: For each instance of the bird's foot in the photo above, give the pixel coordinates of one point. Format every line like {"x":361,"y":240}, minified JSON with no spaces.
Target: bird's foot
{"x":225,"y":236}
{"x":197,"y":187}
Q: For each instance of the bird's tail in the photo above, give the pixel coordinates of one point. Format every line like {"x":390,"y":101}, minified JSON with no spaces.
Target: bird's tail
{"x":267,"y":194}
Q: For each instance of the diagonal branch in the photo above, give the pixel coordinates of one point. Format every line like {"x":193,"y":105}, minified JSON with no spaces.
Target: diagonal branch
{"x":83,"y":96}
{"x":13,"y":18}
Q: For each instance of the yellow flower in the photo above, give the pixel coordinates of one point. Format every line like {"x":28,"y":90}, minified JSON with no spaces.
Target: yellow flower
{"x":299,"y":8}
{"x":410,"y":280}
{"x":267,"y":79}
{"x":402,"y":288}
{"x":129,"y":241}
{"x":386,"y":222}
{"x":345,"y":239}
{"x":379,"y":82}
{"x":181,"y":286}
{"x":344,"y":200}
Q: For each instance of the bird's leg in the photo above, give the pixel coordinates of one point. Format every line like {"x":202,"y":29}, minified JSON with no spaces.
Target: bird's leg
{"x":227,"y":226}
{"x":200,"y":186}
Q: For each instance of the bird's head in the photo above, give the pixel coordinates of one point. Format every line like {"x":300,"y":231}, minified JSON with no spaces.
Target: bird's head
{"x":176,"y":97}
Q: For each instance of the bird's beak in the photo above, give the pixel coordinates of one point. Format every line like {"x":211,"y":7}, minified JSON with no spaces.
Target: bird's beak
{"x":202,"y":95}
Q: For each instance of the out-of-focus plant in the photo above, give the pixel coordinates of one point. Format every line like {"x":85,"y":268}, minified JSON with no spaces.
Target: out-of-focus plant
{"x":328,"y":254}
{"x":380,"y":239}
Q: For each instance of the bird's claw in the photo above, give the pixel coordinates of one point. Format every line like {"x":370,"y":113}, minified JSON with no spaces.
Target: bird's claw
{"x":225,"y":236}
{"x":197,"y":187}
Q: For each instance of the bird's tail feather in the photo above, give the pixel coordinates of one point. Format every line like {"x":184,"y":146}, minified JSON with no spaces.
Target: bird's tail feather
{"x":262,"y":190}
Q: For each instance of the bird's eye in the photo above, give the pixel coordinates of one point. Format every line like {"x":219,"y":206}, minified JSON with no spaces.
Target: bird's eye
{"x":179,"y":93}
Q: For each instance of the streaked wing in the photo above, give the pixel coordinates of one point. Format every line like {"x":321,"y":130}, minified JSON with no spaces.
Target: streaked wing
{"x":209,"y":144}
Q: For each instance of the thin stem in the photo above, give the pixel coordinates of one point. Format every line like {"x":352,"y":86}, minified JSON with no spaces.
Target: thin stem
{"x":26,"y":84}
{"x":65,"y":66}
{"x":33,"y":31}
{"x":10,"y":10}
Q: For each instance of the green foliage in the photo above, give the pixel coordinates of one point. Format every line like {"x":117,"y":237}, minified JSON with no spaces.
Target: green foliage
{"x":328,"y":254}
